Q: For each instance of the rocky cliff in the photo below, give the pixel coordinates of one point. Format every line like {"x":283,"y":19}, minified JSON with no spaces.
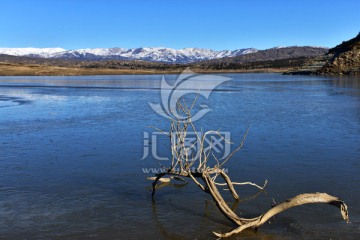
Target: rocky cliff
{"x":344,"y":58}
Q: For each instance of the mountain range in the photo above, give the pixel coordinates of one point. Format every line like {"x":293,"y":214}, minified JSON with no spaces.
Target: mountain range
{"x":157,"y":54}
{"x":342,"y":59}
{"x":58,"y":61}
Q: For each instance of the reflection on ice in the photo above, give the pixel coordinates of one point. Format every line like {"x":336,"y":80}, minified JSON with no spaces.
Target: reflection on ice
{"x":8,"y":101}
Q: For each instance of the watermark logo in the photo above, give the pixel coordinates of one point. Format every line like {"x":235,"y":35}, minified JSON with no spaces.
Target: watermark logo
{"x":217,"y":142}
{"x":188,"y":82}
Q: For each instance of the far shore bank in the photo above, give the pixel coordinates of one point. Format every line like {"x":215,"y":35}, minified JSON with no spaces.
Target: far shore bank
{"x":10,"y":69}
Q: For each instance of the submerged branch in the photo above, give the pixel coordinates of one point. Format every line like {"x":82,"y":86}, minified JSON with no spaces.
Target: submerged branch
{"x":298,"y":200}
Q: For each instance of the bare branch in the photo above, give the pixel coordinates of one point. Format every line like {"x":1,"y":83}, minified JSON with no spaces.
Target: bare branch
{"x":208,"y":171}
{"x":298,"y":200}
{"x":237,"y":149}
{"x":244,"y":183}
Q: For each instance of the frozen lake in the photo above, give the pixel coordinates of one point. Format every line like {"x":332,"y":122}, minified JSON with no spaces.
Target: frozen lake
{"x":71,"y":149}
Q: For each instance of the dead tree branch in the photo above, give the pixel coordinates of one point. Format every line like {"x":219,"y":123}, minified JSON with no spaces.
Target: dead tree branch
{"x":204,"y":168}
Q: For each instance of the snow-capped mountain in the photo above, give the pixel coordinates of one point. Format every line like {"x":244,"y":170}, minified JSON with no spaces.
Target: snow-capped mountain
{"x":159,"y":54}
{"x":36,"y":52}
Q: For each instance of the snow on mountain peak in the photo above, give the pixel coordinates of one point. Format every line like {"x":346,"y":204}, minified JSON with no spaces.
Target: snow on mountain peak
{"x":162,"y":54}
{"x":29,"y":51}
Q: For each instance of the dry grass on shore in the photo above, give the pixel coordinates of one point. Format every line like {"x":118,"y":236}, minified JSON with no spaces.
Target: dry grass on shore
{"x":18,"y":69}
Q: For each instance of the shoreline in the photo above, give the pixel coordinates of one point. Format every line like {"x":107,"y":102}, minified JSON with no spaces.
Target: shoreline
{"x":13,"y":69}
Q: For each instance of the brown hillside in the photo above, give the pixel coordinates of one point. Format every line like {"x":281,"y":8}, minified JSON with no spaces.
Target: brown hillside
{"x":344,"y":58}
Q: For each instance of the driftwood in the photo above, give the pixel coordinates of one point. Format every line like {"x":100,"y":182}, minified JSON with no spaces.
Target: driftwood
{"x":206,"y":169}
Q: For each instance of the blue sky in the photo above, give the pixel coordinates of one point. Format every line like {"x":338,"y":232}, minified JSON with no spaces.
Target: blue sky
{"x":223,"y":24}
